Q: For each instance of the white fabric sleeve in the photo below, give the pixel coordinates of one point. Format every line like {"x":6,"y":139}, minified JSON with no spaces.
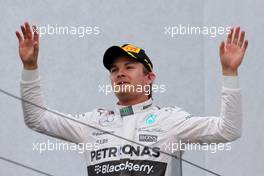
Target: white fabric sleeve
{"x":40,"y":119}
{"x":213,"y":129}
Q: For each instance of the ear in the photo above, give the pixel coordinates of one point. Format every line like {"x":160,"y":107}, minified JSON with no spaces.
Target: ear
{"x":110,"y":77}
{"x":151,"y":77}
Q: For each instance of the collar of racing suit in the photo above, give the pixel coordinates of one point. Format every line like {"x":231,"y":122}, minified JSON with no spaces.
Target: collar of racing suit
{"x":129,"y":110}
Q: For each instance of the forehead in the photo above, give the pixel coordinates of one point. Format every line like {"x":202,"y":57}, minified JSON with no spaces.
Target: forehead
{"x":123,"y":60}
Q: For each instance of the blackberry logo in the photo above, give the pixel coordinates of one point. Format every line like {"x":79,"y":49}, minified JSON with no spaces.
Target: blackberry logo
{"x":128,"y":167}
{"x":97,"y":169}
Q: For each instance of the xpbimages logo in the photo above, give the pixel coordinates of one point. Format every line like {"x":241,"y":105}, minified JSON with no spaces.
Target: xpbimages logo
{"x":146,"y":89}
{"x":64,"y":146}
{"x":63,"y":30}
{"x":187,"y":29}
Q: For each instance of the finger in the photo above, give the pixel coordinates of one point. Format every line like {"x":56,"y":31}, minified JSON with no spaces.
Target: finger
{"x":24,"y":32}
{"x":222,"y":47}
{"x":35,"y":32}
{"x":19,"y":37}
{"x":36,"y":43}
{"x":28,"y":30}
{"x":229,"y":37}
{"x":241,"y":39}
{"x":245,"y":45}
{"x":36,"y":47}
{"x":236,"y":35}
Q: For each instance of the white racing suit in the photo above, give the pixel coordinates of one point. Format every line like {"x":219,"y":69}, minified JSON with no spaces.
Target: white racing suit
{"x":153,"y":129}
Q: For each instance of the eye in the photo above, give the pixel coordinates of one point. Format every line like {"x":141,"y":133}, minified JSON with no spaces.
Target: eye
{"x":113,"y":70}
{"x":130,"y":67}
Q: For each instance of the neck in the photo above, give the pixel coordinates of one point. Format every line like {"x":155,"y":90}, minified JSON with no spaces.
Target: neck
{"x":132,"y":101}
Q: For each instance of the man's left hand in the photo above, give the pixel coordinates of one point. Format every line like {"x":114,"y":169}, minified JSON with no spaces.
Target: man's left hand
{"x":233,"y":51}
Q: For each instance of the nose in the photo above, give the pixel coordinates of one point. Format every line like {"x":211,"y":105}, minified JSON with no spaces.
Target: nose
{"x":121,"y":73}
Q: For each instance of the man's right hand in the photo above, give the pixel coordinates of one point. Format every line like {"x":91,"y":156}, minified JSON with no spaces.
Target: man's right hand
{"x":28,"y":46}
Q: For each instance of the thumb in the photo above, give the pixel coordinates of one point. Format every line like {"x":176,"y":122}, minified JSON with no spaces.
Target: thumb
{"x":222,"y":48}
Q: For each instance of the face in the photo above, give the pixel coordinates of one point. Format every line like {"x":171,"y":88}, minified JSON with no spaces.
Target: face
{"x":128,"y":78}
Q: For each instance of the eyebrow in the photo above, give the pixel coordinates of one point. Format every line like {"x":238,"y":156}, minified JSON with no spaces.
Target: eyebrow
{"x":127,"y":63}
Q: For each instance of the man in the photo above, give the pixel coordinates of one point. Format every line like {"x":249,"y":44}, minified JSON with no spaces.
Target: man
{"x":133,"y":138}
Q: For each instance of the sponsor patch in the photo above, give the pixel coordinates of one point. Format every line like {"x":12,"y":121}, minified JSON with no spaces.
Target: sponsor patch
{"x":99,"y":133}
{"x":150,"y":119}
{"x":128,"y":167}
{"x":131,"y":48}
{"x":101,"y":141}
{"x":148,"y":138}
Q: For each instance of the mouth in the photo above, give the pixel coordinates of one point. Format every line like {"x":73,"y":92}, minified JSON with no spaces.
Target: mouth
{"x":122,"y":83}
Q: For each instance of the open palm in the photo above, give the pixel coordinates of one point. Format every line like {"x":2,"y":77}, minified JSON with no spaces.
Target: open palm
{"x":232,"y":53}
{"x":28,"y":45}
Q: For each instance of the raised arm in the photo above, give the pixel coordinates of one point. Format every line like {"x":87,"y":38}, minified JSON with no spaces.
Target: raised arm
{"x":37,"y":115}
{"x":227,"y":126}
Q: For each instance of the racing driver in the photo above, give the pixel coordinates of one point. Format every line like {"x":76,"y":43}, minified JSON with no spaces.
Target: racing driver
{"x":131,"y":139}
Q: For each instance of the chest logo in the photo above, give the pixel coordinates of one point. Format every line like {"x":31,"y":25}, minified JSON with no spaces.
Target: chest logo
{"x":106,"y":121}
{"x":150,"y":119}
